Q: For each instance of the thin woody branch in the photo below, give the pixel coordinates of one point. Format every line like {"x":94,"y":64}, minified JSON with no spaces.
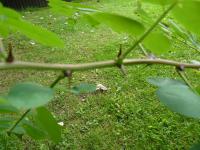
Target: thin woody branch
{"x":92,"y":65}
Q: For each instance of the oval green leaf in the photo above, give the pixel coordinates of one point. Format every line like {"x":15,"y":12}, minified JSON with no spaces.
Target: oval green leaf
{"x":12,"y":21}
{"x":83,"y":88}
{"x":34,"y":132}
{"x":157,"y":42}
{"x":187,"y":13}
{"x":4,"y":108}
{"x":29,"y":95}
{"x":181,"y":99}
{"x":6,"y":123}
{"x":119,"y":23}
{"x":195,"y":147}
{"x":158,"y":81}
{"x":48,"y":124}
{"x":159,"y":2}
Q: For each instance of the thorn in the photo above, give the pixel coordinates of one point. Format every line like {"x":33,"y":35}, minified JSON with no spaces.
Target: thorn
{"x":68,"y":74}
{"x":120,"y":51}
{"x":123,"y":70}
{"x":120,"y":65}
{"x":151,"y":56}
{"x":180,"y":68}
{"x":10,"y":57}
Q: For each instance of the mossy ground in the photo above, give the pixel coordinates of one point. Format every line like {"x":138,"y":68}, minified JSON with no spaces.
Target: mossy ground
{"x":128,"y":115}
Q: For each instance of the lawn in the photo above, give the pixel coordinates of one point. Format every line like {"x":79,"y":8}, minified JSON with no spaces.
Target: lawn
{"x":128,"y":115}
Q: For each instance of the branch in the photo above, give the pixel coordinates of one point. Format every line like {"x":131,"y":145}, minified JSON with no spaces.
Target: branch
{"x":92,"y":65}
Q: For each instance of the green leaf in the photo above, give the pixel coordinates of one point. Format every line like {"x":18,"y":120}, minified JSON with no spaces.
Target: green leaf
{"x":48,"y":124}
{"x":195,"y":147}
{"x":11,"y":21}
{"x":8,"y":13}
{"x":68,"y":9}
{"x":91,"y":20}
{"x":157,"y":42}
{"x":181,"y":99}
{"x":34,"y":132}
{"x":36,"y":33}
{"x":4,"y":32}
{"x":187,"y":13}
{"x":159,"y":2}
{"x":6,"y":123}
{"x":4,"y":108}
{"x":198,"y":89}
{"x":83,"y":88}
{"x":119,"y":23}
{"x":29,"y":95}
{"x":57,"y":4}
{"x":177,"y":29}
{"x":157,"y":81}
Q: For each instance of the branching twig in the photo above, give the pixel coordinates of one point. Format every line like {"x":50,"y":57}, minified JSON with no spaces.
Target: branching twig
{"x":148,"y":31}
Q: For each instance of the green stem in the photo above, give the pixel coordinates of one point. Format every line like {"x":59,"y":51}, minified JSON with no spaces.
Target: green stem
{"x":184,"y":77}
{"x":143,"y":50}
{"x":185,"y":43}
{"x":26,"y":112}
{"x":148,"y":31}
{"x":5,"y":141}
{"x":19,"y":120}
{"x":60,"y":77}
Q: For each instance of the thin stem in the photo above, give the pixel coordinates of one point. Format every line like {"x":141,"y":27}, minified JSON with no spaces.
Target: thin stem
{"x":180,"y":38}
{"x":92,"y":65}
{"x":60,"y":77}
{"x":5,"y":141}
{"x":186,"y":43}
{"x":148,"y":31}
{"x":26,"y":112}
{"x":143,"y":50}
{"x":19,"y":120}
{"x":184,"y":77}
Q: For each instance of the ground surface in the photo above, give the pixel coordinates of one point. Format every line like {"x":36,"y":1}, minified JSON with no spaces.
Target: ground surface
{"x":128,"y":115}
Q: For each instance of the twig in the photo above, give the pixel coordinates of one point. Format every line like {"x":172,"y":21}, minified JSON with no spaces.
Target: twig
{"x":182,"y":74}
{"x":60,"y":77}
{"x":148,"y":31}
{"x":143,"y":50}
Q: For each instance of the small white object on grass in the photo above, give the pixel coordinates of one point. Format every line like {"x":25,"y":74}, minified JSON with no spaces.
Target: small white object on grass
{"x":32,"y":42}
{"x":101,"y":87}
{"x":61,"y":123}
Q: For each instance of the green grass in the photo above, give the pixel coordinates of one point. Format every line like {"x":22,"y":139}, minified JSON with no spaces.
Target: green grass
{"x":128,"y":115}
